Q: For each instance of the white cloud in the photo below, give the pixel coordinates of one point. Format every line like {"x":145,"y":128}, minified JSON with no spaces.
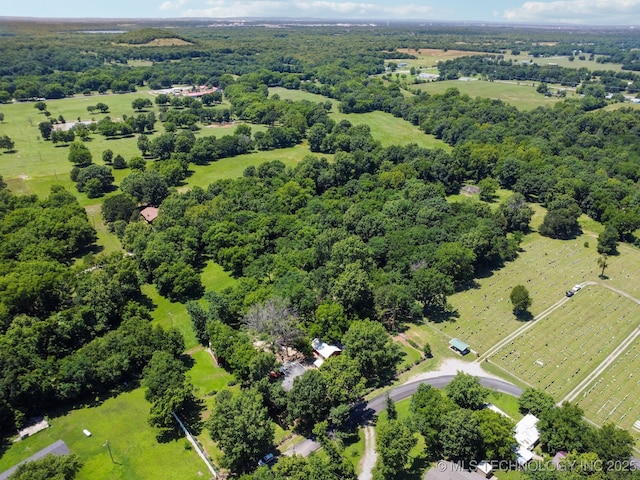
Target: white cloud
{"x":173,"y":5}
{"x":238,"y":8}
{"x":576,"y":11}
{"x":313,"y":8}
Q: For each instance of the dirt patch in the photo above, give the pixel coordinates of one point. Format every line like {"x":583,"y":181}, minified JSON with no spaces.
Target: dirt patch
{"x":470,"y":190}
{"x":24,"y":177}
{"x":157,"y":42}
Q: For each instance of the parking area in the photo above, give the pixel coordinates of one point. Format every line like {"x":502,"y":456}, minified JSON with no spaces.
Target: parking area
{"x":291,"y":370}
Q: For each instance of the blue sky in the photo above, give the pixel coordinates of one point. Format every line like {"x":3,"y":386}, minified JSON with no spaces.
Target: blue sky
{"x":587,"y":12}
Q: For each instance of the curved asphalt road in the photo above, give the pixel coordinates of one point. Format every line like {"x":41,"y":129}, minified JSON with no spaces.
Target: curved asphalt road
{"x":377,"y":404}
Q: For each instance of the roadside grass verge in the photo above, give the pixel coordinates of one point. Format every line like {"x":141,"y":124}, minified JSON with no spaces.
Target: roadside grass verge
{"x":122,"y":421}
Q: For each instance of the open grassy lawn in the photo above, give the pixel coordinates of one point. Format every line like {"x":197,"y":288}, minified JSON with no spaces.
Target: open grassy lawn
{"x":206,"y":377}
{"x":390,"y":130}
{"x":521,"y":95}
{"x":122,"y":421}
{"x":170,"y":315}
{"x":507,"y":403}
{"x":564,"y":347}
{"x":215,"y":278}
{"x":385,"y":128}
{"x":613,"y":396}
{"x":429,"y":57}
{"x":563,"y":61}
{"x":297,"y":95}
{"x":204,"y":175}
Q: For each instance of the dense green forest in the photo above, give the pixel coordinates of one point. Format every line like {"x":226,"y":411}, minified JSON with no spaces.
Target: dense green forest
{"x":350,"y":244}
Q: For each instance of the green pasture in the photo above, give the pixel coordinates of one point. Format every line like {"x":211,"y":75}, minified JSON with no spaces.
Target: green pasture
{"x":613,"y":396}
{"x":386,"y":128}
{"x":563,"y":61}
{"x":297,"y":95}
{"x":122,"y":421}
{"x":390,"y":130}
{"x":564,"y":347}
{"x":521,"y":95}
{"x":168,"y":314}
{"x":204,"y":175}
{"x":215,"y":278}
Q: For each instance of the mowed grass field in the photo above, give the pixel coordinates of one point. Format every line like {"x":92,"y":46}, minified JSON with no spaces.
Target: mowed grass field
{"x":385,"y":128}
{"x":122,"y":421}
{"x":521,"y":95}
{"x":560,"y":350}
{"x":613,"y":396}
{"x":429,"y":57}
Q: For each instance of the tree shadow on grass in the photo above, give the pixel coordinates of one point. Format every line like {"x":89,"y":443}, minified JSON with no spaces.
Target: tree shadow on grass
{"x":524,"y":316}
{"x":416,"y":471}
{"x":441,"y":315}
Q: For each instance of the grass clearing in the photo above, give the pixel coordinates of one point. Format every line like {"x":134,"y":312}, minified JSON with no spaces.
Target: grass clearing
{"x":521,"y":95}
{"x":507,"y":403}
{"x":390,"y":130}
{"x":122,"y":421}
{"x":170,"y":315}
{"x":429,"y":57}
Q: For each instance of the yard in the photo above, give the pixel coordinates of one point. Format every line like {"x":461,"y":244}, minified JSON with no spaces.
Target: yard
{"x":122,"y":421}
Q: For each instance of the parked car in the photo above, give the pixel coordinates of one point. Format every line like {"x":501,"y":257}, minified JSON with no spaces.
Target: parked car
{"x":569,"y":293}
{"x":269,"y":459}
{"x":576,"y":288}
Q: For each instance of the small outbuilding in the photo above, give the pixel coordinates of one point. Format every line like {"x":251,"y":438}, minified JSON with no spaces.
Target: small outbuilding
{"x":459,"y":346}
{"x":485,"y":468}
{"x":149,"y":213}
{"x":322,"y":351}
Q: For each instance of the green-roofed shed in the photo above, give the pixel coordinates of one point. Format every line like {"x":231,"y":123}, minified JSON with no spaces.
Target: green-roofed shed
{"x":459,"y":346}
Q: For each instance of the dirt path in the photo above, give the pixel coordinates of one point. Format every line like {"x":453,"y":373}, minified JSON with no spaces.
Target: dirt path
{"x":370,"y":456}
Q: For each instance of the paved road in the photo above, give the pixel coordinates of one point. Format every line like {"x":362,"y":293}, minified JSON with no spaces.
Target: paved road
{"x":377,"y":404}
{"x":56,"y":448}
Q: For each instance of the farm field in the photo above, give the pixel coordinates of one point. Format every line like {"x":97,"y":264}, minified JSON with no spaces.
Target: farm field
{"x":522,"y":96}
{"x":122,"y":421}
{"x":613,"y":396}
{"x":561,"y":349}
{"x":563,"y":61}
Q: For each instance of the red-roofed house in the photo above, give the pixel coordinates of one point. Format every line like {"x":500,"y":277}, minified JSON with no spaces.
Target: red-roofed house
{"x":149,"y":213}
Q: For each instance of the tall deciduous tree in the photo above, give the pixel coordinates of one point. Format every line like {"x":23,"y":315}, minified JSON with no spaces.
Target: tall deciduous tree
{"x":520,"y":299}
{"x":241,"y":426}
{"x":466,"y":391}
{"x":79,"y":154}
{"x":535,"y":401}
{"x":375,"y":352}
{"x":394,"y":441}
{"x":461,"y":437}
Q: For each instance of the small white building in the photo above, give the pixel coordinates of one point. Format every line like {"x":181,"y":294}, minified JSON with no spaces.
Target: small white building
{"x":323,"y":351}
{"x":527,"y":434}
{"x":485,"y":468}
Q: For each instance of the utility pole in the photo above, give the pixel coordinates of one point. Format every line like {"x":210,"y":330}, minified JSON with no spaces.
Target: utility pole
{"x":106,"y":444}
